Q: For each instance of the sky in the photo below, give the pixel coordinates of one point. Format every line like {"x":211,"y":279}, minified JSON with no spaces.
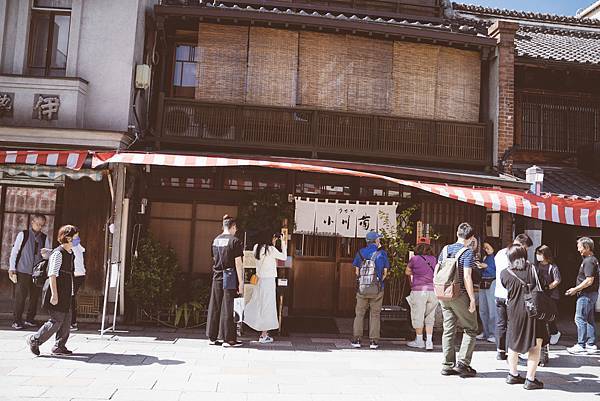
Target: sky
{"x":561,"y":7}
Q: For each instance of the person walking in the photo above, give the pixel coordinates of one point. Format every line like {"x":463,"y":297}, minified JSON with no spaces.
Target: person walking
{"x":524,"y":334}
{"x":586,"y":292}
{"x":501,"y":261}
{"x":370,"y":262}
{"x":30,"y":247}
{"x":227,"y":252}
{"x":422,"y":299}
{"x":78,"y":279}
{"x":487,"y":288}
{"x":460,"y":311}
{"x":261,"y":311}
{"x":57,"y":294}
{"x":551,"y":275}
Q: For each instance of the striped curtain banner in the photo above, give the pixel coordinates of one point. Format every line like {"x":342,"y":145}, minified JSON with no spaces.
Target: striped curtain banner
{"x":63,"y":158}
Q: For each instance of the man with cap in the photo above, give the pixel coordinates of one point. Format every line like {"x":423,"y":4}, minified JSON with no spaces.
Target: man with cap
{"x":371,"y":255}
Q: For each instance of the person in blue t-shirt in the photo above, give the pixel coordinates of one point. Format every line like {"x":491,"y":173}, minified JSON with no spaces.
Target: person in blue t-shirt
{"x":374,"y":301}
{"x":487,"y":288}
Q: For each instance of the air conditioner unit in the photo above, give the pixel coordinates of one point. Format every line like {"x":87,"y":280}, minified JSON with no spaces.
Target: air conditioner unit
{"x":178,"y":121}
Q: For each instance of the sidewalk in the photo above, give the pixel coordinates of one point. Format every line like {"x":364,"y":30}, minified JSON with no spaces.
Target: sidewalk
{"x":165,"y":365}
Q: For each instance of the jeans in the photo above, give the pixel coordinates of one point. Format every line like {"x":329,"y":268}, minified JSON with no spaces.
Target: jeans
{"x":584,"y":318}
{"x":501,"y":324}
{"x":373,"y":303}
{"x":24,"y":289}
{"x":487,"y":310}
{"x":456,"y":312}
{"x":220,"y":313}
{"x":77,"y":283}
{"x":58,"y":323}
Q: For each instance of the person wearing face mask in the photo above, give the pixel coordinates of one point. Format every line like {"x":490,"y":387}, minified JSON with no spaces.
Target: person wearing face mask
{"x":57,"y":295}
{"x":487,"y":287}
{"x":78,"y":279}
{"x":551,"y":274}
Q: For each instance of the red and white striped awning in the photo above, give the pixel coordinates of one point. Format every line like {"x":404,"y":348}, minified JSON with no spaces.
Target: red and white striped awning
{"x":548,"y":207}
{"x":63,"y":158}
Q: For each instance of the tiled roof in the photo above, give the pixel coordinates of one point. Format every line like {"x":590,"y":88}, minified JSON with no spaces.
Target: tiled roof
{"x":448,"y":25}
{"x":567,"y":181}
{"x":524,"y":15}
{"x":558,"y":45}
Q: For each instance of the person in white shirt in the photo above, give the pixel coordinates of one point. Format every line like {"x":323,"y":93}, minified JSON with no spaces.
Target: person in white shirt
{"x":502,"y":263}
{"x":78,"y":280}
{"x":261,"y":311}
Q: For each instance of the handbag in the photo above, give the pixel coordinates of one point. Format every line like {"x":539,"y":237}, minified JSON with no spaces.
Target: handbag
{"x":486,"y":283}
{"x":537,"y":304}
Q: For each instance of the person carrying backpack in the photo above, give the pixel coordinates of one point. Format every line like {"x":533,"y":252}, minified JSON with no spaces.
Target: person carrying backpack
{"x":453,"y":285}
{"x":371,"y":265}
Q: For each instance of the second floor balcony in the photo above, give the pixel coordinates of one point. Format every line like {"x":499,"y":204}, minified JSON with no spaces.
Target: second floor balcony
{"x":311,"y":132}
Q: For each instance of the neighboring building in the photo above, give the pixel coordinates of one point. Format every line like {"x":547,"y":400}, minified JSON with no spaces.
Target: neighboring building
{"x":66,"y":83}
{"x":551,"y":109}
{"x":591,"y":11}
{"x":392,"y":87}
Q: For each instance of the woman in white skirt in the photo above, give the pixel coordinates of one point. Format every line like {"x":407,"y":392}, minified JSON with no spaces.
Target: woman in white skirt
{"x":261,"y":311}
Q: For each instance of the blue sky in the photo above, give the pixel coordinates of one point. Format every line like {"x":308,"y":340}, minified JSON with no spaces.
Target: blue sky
{"x":561,"y":7}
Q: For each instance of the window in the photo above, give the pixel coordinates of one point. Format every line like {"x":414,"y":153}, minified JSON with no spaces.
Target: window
{"x":49,"y":39}
{"x":184,"y":71}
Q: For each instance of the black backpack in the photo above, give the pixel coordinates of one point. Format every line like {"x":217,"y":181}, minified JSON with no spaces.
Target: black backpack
{"x":40,"y":273}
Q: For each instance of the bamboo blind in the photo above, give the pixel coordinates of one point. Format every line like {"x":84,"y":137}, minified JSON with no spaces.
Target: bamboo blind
{"x":222,"y":63}
{"x":370,"y":75}
{"x":415,"y":79}
{"x":323,"y":70}
{"x":272,"y":67}
{"x":458,"y":85}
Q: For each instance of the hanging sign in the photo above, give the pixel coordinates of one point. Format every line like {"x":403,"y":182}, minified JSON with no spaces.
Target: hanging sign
{"x":326,"y":218}
{"x":305,"y":217}
{"x":345,"y":221}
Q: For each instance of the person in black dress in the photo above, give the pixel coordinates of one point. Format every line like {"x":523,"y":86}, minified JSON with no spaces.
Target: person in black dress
{"x":524,"y":334}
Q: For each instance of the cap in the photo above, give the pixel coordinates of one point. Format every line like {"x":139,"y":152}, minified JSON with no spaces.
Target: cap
{"x":372,"y":236}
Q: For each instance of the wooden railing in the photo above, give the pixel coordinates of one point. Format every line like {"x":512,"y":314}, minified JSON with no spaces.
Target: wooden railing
{"x":318,"y":132}
{"x":556,"y":123}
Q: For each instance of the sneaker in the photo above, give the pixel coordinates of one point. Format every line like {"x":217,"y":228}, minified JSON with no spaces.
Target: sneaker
{"x":215,"y":342}
{"x":17,"y":326}
{"x":533,"y":385}
{"x":576,"y":350}
{"x":373,"y":344}
{"x":61,"y":351}
{"x":518,"y":379}
{"x":480,"y":336}
{"x":465,"y":371}
{"x":429,"y":345}
{"x":554,"y":338}
{"x":355,"y":343}
{"x":416,"y":344}
{"x":29,"y":324}
{"x":265,"y":340}
{"x":449,"y":372}
{"x":491,"y":339}
{"x":501,"y":356}
{"x":591,"y":349}
{"x":232,"y":344}
{"x":34,"y":346}
{"x":74,"y":327}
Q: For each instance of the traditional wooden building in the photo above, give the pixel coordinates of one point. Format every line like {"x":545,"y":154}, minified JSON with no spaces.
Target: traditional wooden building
{"x":393,"y":87}
{"x":550,"y":110}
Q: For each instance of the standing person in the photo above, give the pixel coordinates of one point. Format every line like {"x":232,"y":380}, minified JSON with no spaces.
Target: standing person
{"x":78,"y":279}
{"x":501,"y":261}
{"x":524,"y":334}
{"x":261,"y":312}
{"x":370,"y":255}
{"x":227,"y":251}
{"x":462,"y":309}
{"x":487,"y":288}
{"x":586,"y":291}
{"x":422,"y":299}
{"x":551,"y":274}
{"x":58,"y":294}
{"x":30,"y":247}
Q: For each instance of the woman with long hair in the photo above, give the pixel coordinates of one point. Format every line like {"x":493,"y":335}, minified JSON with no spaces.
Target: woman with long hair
{"x":525,"y":334}
{"x":487,"y":288}
{"x":551,"y":274}
{"x":261,"y":311}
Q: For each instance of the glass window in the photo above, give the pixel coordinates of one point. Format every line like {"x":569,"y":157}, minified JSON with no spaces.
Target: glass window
{"x":48,"y":43}
{"x":184,"y":74}
{"x":60,"y":4}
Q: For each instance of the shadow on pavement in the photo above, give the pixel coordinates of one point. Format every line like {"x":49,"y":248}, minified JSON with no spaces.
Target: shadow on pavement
{"x":571,"y":383}
{"x":106,"y":358}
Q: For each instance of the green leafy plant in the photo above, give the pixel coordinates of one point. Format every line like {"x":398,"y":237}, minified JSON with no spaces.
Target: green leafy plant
{"x":192,"y":302}
{"x":154,"y":270}
{"x":265,"y":211}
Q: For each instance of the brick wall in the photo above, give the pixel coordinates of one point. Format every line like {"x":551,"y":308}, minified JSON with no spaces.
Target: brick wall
{"x":504,"y":33}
